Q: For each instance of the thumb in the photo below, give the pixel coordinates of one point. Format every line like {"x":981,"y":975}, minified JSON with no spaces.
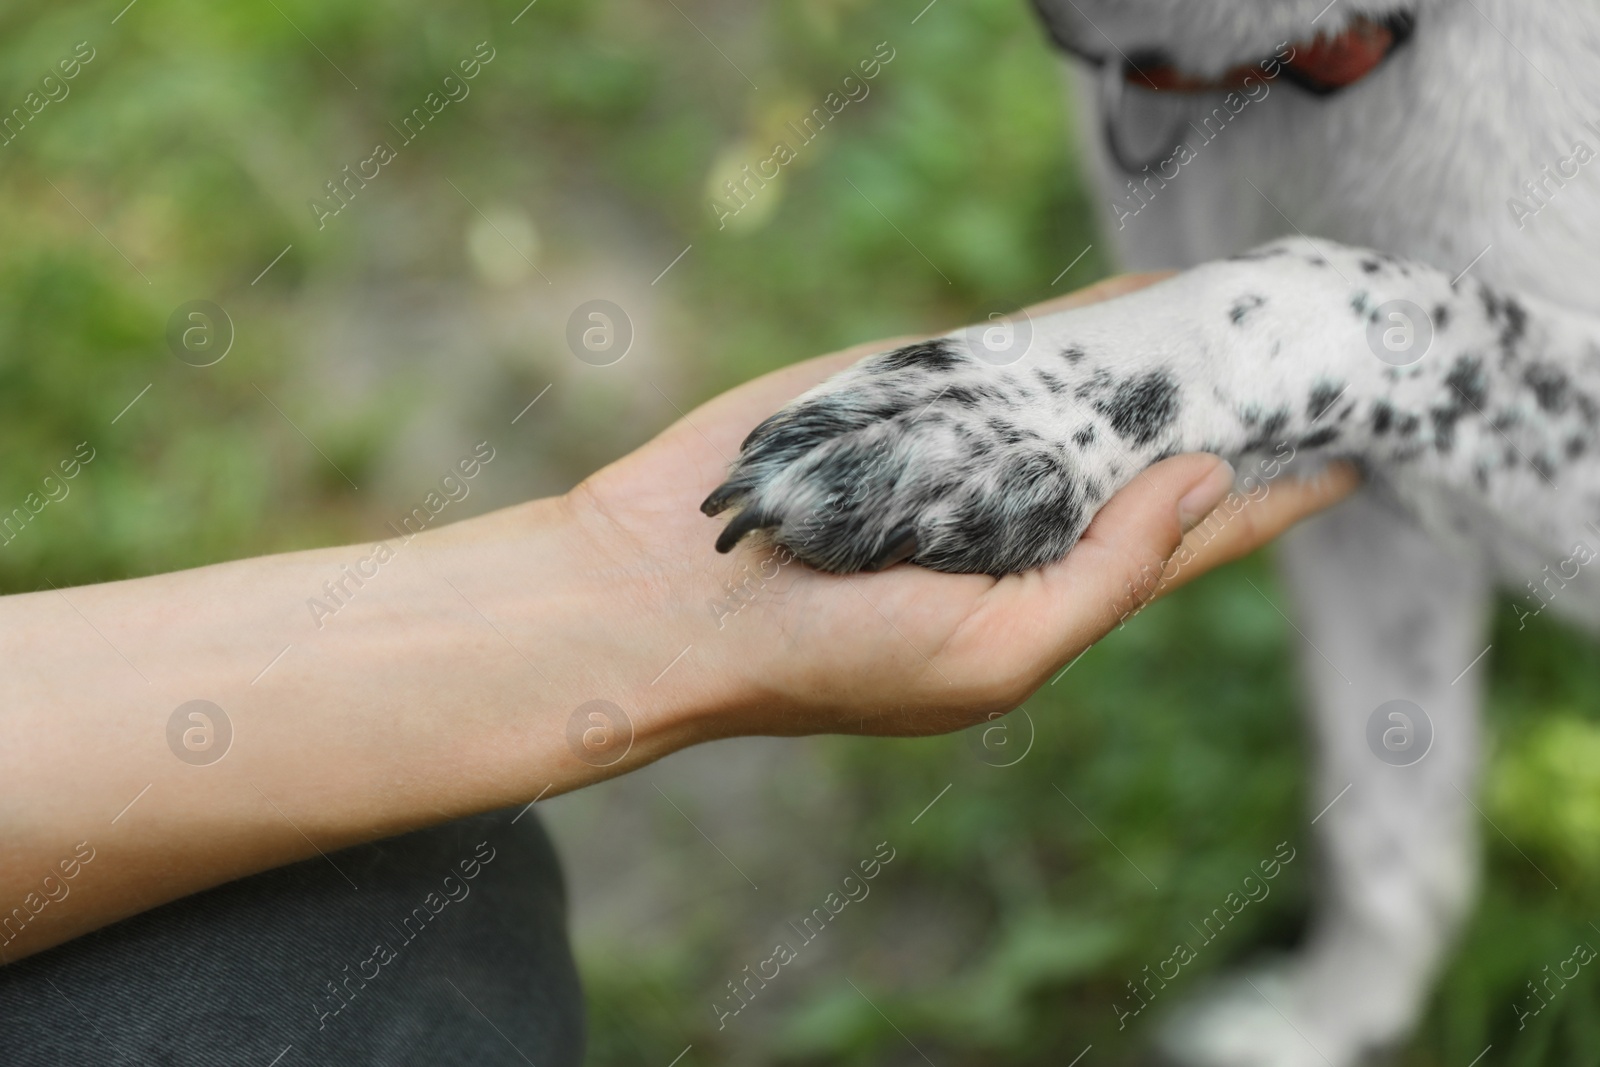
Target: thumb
{"x":1125,"y":556}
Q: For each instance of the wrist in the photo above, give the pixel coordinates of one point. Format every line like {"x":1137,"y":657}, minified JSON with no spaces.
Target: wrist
{"x":618,"y":667}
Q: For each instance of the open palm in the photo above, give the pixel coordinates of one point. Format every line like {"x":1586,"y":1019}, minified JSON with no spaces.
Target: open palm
{"x":906,"y":650}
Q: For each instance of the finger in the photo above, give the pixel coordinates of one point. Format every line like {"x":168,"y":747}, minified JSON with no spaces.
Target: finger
{"x":1137,"y":547}
{"x":1049,"y":616}
{"x":1117,"y":564}
{"x":1244,"y":523}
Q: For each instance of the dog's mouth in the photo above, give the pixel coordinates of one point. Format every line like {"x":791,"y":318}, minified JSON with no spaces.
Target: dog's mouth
{"x":1322,"y":63}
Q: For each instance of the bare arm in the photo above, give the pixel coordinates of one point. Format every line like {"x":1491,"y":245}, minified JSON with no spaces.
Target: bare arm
{"x":457,"y":676}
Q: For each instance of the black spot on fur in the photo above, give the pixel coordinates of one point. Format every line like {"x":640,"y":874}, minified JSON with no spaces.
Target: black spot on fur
{"x":1509,"y":314}
{"x":1043,"y":511}
{"x":1465,"y":391}
{"x":1409,"y":454}
{"x":1318,"y":438}
{"x":1371,"y":266}
{"x":1268,"y":428}
{"x":1243,"y":307}
{"x":1051,"y":382}
{"x":1551,"y":386}
{"x":1382,"y":417}
{"x":1408,"y":425}
{"x":1073,"y":354}
{"x":1084,"y":437}
{"x":1490,"y":302}
{"x":788,"y":433}
{"x":924,"y":355}
{"x":1444,"y":427}
{"x":1323,"y":395}
{"x":1441,"y":317}
{"x":1097,"y":384}
{"x":960,"y":395}
{"x":1010,"y":433}
{"x":1588,"y":409}
{"x":1575,"y":447}
{"x":1466,"y":379}
{"x":1141,"y":408}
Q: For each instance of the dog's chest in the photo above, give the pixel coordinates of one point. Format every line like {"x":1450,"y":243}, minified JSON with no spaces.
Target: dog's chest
{"x":1475,"y":148}
{"x":1469,"y":142}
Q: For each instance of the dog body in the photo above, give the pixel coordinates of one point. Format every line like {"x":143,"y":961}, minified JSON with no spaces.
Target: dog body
{"x":1426,"y":305}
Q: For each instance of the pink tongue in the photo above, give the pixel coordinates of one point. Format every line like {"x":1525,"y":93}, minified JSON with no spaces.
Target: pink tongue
{"x":1326,"y":62}
{"x":1334,"y":62}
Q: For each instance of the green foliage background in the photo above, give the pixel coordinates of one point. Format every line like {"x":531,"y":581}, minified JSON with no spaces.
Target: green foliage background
{"x":189,"y":146}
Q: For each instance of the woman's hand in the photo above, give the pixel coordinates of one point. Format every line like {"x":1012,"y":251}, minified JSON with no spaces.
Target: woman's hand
{"x":774,"y":647}
{"x":465,"y":672}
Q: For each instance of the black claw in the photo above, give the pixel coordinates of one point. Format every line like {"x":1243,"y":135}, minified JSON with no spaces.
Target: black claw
{"x":900,"y":546}
{"x":747,"y":520}
{"x":721,"y":498}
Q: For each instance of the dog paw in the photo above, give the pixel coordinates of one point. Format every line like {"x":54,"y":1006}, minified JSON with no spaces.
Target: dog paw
{"x":1259,"y":1020}
{"x":924,"y":454}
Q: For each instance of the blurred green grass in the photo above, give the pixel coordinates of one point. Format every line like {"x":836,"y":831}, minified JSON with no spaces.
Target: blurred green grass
{"x":189,"y":147}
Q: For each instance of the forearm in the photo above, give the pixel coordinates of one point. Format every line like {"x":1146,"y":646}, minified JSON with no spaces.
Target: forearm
{"x":370,"y":692}
{"x":439,"y":685}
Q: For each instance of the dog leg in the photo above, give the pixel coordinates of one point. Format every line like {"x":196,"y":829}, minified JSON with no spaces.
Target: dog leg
{"x":991,"y":450}
{"x":1385,"y":616}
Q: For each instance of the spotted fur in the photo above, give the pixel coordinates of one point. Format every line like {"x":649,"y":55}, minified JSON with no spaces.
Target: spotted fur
{"x":999,"y":468}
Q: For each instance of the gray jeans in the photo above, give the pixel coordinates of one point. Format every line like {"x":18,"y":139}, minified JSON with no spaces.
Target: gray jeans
{"x":443,"y":947}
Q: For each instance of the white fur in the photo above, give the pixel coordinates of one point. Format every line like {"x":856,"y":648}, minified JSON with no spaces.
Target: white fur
{"x":936,"y":452}
{"x":1420,"y":160}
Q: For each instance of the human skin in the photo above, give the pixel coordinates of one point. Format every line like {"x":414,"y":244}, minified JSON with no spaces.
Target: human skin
{"x":448,"y":683}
